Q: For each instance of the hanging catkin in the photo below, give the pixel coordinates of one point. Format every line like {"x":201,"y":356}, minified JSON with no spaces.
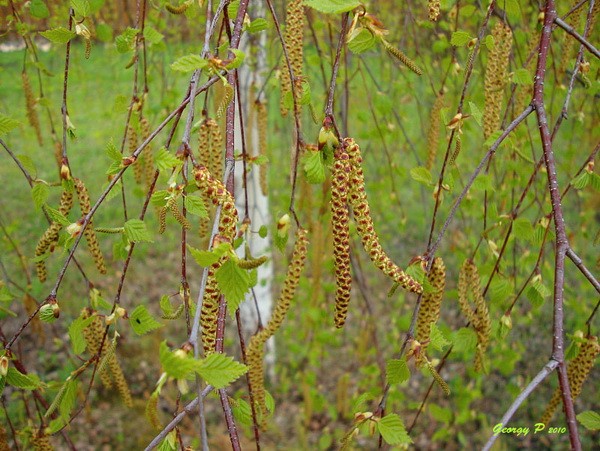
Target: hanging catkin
{"x":89,"y":233}
{"x":138,"y":165}
{"x":30,"y":104}
{"x":429,"y":313}
{"x":496,"y":73}
{"x":434,"y":10}
{"x":433,"y":135}
{"x":255,"y":350}
{"x":41,"y":442}
{"x":469,"y":284}
{"x":340,"y":219}
{"x":93,"y":334}
{"x":261,"y":122}
{"x":50,"y":236}
{"x":294,"y":37}
{"x":364,"y":223}
{"x":577,"y":371}
{"x":568,"y":42}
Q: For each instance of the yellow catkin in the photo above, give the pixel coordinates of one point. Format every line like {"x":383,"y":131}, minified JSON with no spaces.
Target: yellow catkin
{"x":162,"y":220}
{"x":294,"y":37}
{"x":566,"y":54}
{"x":215,"y":163}
{"x":364,"y":223}
{"x":30,"y":105}
{"x":436,"y":376}
{"x":577,"y":371}
{"x":41,"y":442}
{"x":434,"y":10}
{"x":433,"y":135}
{"x":178,"y":215}
{"x":138,"y":165}
{"x":93,"y":335}
{"x":429,"y":313}
{"x":146,"y":155}
{"x":252,"y":263}
{"x":204,"y":143}
{"x":496,"y":73}
{"x":255,"y":350}
{"x":152,"y":412}
{"x":525,"y":92}
{"x":340,"y":220}
{"x":401,"y":56}
{"x":50,"y":236}
{"x":88,"y":49}
{"x":477,"y":314}
{"x":457,"y":149}
{"x":261,"y":122}
{"x":90,"y":234}
{"x":179,"y":9}
{"x":119,"y":378}
{"x":228,"y":93}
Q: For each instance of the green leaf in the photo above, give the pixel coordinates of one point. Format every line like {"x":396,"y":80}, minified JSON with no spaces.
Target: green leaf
{"x":189,"y":63}
{"x":113,"y":153}
{"x":397,"y":371}
{"x":257,"y":25}
{"x":39,"y":193}
{"x":76,"y":333}
{"x":68,"y":399}
{"x":165,"y":160}
{"x":313,"y":167}
{"x":17,"y":379}
{"x":232,"y":8}
{"x":233,"y":282}
{"x":537,"y":293}
{"x":81,"y":7}
{"x":263,"y":231}
{"x":152,"y":36}
{"x":392,"y":430}
{"x":220,"y":370}
{"x":581,"y":181}
{"x":58,"y":35}
{"x":204,"y":258}
{"x":476,"y":113}
{"x":421,"y":174}
{"x":437,"y":339}
{"x":238,"y":59}
{"x":177,"y":364}
{"x":523,"y":229}
{"x":195,"y":206}
{"x":7,"y":124}
{"x":489,"y":42}
{"x":589,"y":419}
{"x":142,"y":321}
{"x":522,"y":77}
{"x":57,"y":216}
{"x":460,"y":38}
{"x":361,"y":40}
{"x":464,"y":339}
{"x":242,"y":411}
{"x":38,"y":9}
{"x":159,"y":198}
{"x":136,"y":231}
{"x":332,"y":6}
{"x":126,"y":40}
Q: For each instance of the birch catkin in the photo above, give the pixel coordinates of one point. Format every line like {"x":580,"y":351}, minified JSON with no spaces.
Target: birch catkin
{"x":255,"y":350}
{"x":496,"y":74}
{"x":294,"y":37}
{"x":433,"y":135}
{"x":434,"y":10}
{"x":364,"y":223}
{"x":577,"y":371}
{"x":340,"y":218}
{"x":89,"y":233}
{"x":30,"y":104}
{"x":261,"y":120}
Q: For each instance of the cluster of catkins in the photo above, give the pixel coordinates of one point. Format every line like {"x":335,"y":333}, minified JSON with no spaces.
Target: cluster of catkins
{"x":348,"y":186}
{"x":90,"y":235}
{"x":294,"y":36}
{"x":109,"y":368}
{"x":496,"y":73}
{"x":479,"y":317}
{"x":217,"y":193}
{"x":255,"y":350}
{"x":577,"y":372}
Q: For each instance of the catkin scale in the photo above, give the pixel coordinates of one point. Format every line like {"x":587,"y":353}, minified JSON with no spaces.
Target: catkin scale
{"x":429,"y":312}
{"x":578,"y":370}
{"x":340,"y":219}
{"x":364,"y":223}
{"x":496,"y":73}
{"x":468,"y":282}
{"x":41,"y":442}
{"x":294,"y":37}
{"x":255,"y":350}
{"x":89,"y":233}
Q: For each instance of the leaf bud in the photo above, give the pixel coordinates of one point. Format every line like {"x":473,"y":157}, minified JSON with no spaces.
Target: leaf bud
{"x":74,"y":229}
{"x":4,"y":366}
{"x":283,"y":225}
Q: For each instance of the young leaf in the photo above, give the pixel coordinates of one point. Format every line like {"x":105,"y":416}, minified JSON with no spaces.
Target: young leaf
{"x":7,"y":124}
{"x":332,"y":6}
{"x":522,"y":77}
{"x":392,"y":430}
{"x":238,"y":59}
{"x":397,"y":371}
{"x":159,"y":198}
{"x":152,"y":36}
{"x":81,"y":7}
{"x":113,"y":153}
{"x":165,"y":160}
{"x":590,"y":419}
{"x":465,"y":339}
{"x":58,"y":35}
{"x":189,"y":63}
{"x":242,"y":411}
{"x":176,"y":365}
{"x":17,"y":379}
{"x":136,"y":231}
{"x":56,"y":216}
{"x":195,"y":206}
{"x":142,"y":321}
{"x":76,"y":334}
{"x":438,"y":341}
{"x":460,"y":38}
{"x":421,"y":174}
{"x":233,"y":282}
{"x":38,"y":9}
{"x":68,"y":399}
{"x":361,"y":40}
{"x":204,"y":258}
{"x":39,"y":193}
{"x":313,"y":167}
{"x":257,"y":25}
{"x":220,"y":370}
